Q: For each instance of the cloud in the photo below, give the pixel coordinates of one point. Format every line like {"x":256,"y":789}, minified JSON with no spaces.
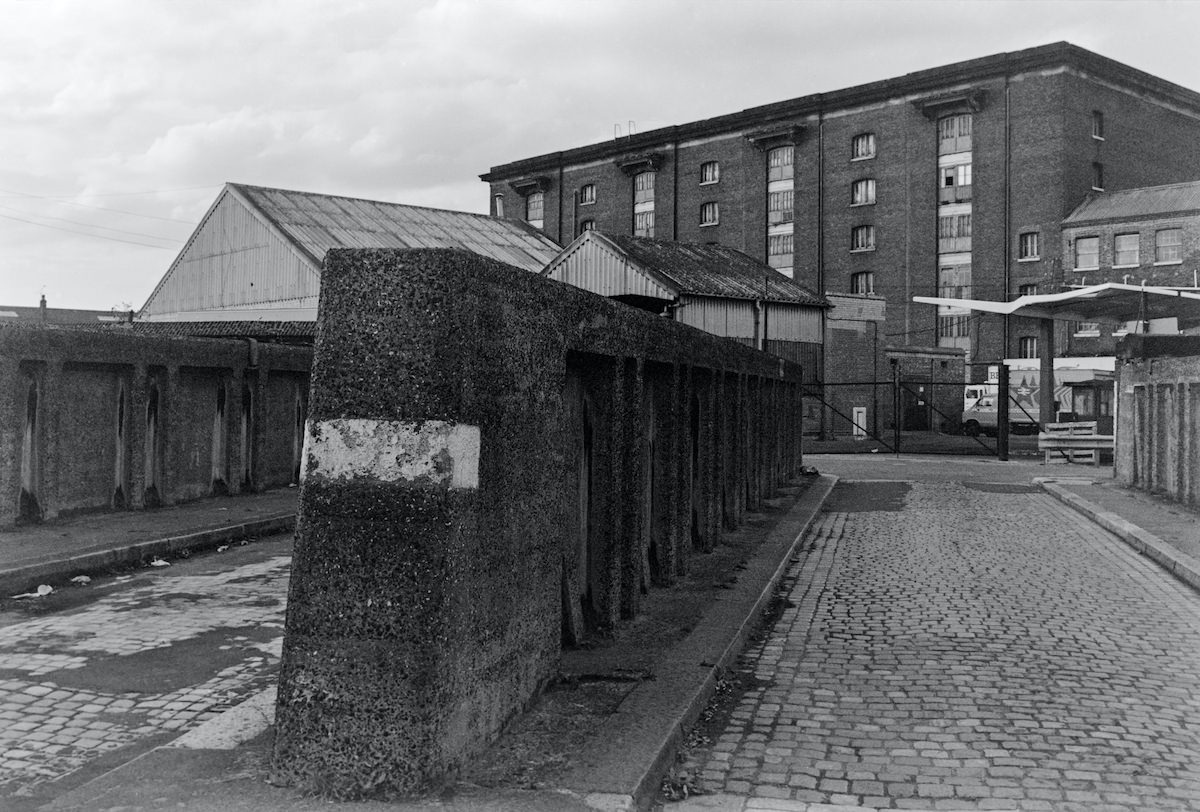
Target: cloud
{"x":411,"y":101}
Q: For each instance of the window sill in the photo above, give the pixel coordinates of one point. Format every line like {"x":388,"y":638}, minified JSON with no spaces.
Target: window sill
{"x":709,"y":225}
{"x":862,"y":250}
{"x":1168,"y":262}
{"x":1097,"y":188}
{"x":860,"y":205}
{"x":1097,"y":137}
{"x":709,"y":182}
{"x":863,"y":158}
{"x":1086,"y":270}
{"x":1122,"y":267}
{"x":1029,"y":259}
{"x":587,"y":202}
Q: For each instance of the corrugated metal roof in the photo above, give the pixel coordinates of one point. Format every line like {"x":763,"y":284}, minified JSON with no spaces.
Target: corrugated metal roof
{"x":712,"y":270}
{"x":317,"y":223}
{"x":1148,"y":201}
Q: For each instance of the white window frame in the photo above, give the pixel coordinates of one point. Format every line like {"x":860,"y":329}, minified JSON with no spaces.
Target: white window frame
{"x":862,"y":246}
{"x":587,"y":194}
{"x":1027,"y":347}
{"x":1098,"y":125}
{"x":710,"y":214}
{"x":1097,"y":176}
{"x":540,"y":199}
{"x":862,"y":283}
{"x":781,"y":237}
{"x":862,"y":192}
{"x":1026,"y":241}
{"x":710,"y":173}
{"x":1077,"y":253}
{"x":781,"y":163}
{"x":867,"y":139}
{"x":498,"y":205}
{"x":1027,"y":289}
{"x":1137,"y":250}
{"x":1159,"y":245}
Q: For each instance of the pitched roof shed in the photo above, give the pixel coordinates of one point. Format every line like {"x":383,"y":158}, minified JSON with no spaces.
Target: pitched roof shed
{"x":257,"y":254}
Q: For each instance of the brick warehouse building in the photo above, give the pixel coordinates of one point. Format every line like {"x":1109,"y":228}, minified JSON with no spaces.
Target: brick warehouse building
{"x":952,"y":181}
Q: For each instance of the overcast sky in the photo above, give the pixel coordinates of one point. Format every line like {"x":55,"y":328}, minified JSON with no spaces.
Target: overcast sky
{"x":121,"y":119}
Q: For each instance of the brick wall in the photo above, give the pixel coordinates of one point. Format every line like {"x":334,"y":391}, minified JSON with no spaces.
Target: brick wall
{"x":1032,"y":156}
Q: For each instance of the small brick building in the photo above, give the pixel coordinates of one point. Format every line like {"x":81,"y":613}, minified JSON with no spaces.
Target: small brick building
{"x":1145,"y":236}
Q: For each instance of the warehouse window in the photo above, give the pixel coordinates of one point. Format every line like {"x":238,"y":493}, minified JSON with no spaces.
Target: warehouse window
{"x":534,"y":205}
{"x":862,"y":192}
{"x":862,"y":238}
{"x":498,"y":205}
{"x":710,"y":172}
{"x":862,"y":283}
{"x":1126,"y":250}
{"x":1168,"y":244}
{"x":1028,"y":246}
{"x":643,"y":204}
{"x":779,"y":206}
{"x":954,"y":233}
{"x":955,"y":184}
{"x":1097,"y":177}
{"x":710,"y":214}
{"x":1027,"y":347}
{"x":1097,"y":125}
{"x":779,"y":163}
{"x":954,"y":326}
{"x":862,"y":147}
{"x":779,"y":251}
{"x":1027,"y":290}
{"x":1087,"y":253}
{"x":587,"y":225}
{"x":954,"y":134}
{"x":587,"y":194}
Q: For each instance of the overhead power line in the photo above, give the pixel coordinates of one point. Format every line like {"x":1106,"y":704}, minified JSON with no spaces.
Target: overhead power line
{"x":66,"y":202}
{"x":88,"y":234}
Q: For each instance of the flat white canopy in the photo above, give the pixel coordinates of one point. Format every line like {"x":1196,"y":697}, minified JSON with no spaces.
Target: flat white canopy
{"x":1110,"y":303}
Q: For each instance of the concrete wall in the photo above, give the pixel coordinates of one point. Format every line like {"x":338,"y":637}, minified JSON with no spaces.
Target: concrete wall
{"x":496,"y":463}
{"x":103,"y":419}
{"x":1158,"y":416}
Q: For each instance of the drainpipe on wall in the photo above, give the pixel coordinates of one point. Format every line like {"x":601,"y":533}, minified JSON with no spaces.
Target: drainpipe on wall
{"x":820,"y":204}
{"x":757,"y":321}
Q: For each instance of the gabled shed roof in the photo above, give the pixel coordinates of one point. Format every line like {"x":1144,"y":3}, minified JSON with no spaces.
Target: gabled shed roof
{"x":1133,"y":204}
{"x":257,"y":252}
{"x":317,"y":222}
{"x":696,"y":270}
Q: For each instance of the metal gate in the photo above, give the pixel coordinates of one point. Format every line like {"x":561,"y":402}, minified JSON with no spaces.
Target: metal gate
{"x":916,"y":416}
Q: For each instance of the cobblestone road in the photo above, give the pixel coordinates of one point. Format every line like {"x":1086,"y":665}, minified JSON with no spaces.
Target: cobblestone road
{"x":158,"y":654}
{"x":951,"y":646}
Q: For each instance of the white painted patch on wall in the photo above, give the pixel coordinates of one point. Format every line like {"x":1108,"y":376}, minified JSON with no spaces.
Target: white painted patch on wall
{"x":433,"y":452}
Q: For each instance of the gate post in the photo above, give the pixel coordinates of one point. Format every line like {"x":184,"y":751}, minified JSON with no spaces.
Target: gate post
{"x":1002,"y":412}
{"x":896,"y":405}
